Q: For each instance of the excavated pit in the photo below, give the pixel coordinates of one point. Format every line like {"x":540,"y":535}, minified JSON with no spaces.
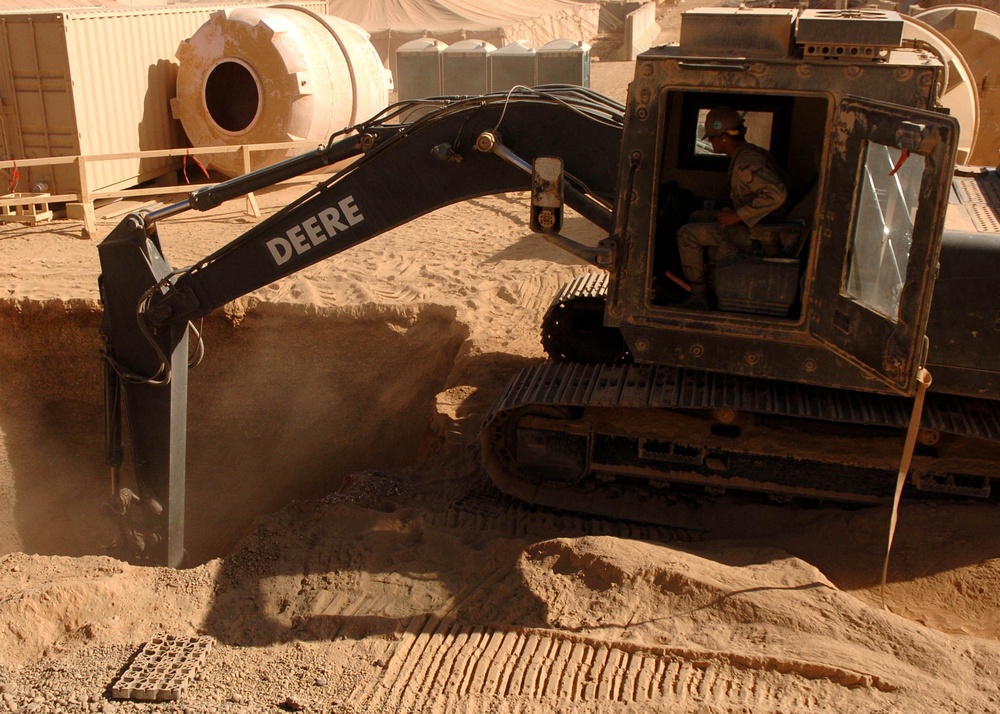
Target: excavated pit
{"x":288,"y":402}
{"x":386,"y":357}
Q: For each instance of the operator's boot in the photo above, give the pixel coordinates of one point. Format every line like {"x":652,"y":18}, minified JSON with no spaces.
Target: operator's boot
{"x":698,"y":299}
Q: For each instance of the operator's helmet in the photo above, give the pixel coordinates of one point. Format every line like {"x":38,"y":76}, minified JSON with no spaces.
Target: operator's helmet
{"x":722,"y":120}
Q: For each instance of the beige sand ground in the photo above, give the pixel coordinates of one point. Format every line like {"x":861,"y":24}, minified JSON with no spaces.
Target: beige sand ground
{"x":380,"y":363}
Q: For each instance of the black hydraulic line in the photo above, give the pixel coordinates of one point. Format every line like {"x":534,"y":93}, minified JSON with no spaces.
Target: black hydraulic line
{"x":114,"y":447}
{"x":205,"y":199}
{"x":212,"y":196}
{"x":596,"y":105}
{"x":406,"y":171}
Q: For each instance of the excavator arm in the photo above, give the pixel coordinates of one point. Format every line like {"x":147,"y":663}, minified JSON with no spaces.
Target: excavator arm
{"x":455,"y":150}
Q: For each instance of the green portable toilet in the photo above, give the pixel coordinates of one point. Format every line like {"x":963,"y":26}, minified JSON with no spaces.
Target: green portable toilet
{"x":418,"y":68}
{"x":512,"y":65}
{"x":465,"y":68}
{"x":564,"y":62}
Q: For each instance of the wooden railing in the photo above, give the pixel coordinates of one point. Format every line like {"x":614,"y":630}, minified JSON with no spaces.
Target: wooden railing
{"x":80,"y":206}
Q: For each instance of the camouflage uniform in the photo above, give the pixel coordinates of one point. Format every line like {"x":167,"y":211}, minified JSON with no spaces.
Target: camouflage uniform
{"x":757,"y":189}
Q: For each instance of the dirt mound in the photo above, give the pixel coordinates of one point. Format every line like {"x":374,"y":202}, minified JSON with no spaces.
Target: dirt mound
{"x":361,"y":603}
{"x":73,"y":601}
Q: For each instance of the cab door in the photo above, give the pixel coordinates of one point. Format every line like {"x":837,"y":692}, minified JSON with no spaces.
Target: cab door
{"x":889,"y":176}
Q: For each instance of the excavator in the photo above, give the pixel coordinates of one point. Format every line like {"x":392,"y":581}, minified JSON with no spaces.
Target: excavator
{"x":798,"y":383}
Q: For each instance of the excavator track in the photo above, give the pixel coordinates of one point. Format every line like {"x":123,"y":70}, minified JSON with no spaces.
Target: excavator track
{"x":607,"y":439}
{"x":573,"y":328}
{"x":484,"y":507}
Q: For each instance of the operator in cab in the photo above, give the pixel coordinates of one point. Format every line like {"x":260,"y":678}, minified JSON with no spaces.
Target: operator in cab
{"x":757,"y":190}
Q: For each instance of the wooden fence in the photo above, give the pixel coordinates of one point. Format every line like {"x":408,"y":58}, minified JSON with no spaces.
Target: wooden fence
{"x":32,"y":207}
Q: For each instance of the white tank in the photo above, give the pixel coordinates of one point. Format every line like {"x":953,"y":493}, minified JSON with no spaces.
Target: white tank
{"x":959,"y":93}
{"x":263,"y":75}
{"x":975,"y":31}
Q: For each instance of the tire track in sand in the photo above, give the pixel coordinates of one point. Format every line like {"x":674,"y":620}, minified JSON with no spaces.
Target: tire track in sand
{"x":440,"y":664}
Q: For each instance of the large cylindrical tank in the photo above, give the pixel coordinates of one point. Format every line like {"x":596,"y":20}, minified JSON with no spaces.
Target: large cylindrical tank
{"x":958,"y":94}
{"x":263,"y":75}
{"x":993,"y":5}
{"x":975,"y":31}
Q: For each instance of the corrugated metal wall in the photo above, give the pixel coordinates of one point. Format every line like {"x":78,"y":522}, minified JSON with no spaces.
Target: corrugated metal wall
{"x":37,"y":118}
{"x":90,"y":82}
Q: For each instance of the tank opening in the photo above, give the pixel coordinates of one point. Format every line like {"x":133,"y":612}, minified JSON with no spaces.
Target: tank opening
{"x":232,"y":96}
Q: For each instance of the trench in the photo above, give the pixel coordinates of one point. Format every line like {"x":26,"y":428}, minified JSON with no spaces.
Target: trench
{"x":288,"y":402}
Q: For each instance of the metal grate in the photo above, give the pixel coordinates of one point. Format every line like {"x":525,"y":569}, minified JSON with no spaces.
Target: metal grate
{"x":981,"y":196}
{"x":985,"y":217}
{"x":162,"y":669}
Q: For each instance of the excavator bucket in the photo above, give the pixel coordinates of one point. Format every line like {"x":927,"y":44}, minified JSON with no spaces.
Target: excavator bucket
{"x":146,"y":385}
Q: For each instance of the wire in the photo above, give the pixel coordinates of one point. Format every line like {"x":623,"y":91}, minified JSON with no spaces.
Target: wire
{"x":162,"y":376}
{"x":506,"y":102}
{"x":587,"y":103}
{"x":198,"y":354}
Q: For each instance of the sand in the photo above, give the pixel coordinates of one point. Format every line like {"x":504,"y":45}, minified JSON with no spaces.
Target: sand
{"x":333,"y":425}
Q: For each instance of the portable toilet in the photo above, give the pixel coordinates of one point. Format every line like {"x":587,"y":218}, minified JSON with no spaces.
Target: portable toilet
{"x":465,"y":68}
{"x":512,"y":65}
{"x":418,"y":68}
{"x":564,"y":62}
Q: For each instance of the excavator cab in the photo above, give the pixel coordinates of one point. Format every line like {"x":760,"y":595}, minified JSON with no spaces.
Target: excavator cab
{"x":817,"y":329}
{"x":837,"y":291}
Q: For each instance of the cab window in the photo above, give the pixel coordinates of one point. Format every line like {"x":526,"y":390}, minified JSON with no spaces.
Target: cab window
{"x":760,"y":128}
{"x":883,"y":228}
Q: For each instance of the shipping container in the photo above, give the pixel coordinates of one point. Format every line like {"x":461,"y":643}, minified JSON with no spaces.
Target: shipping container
{"x":88,"y":82}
